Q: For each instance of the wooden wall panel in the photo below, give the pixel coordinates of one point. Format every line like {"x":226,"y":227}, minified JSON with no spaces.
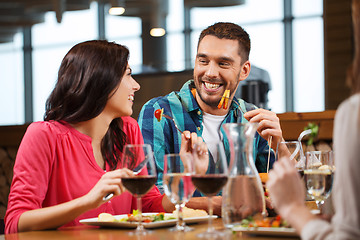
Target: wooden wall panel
{"x":10,"y":136}
{"x":292,"y":123}
{"x":338,"y":50}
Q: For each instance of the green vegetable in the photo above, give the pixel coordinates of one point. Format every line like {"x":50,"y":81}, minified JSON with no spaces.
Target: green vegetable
{"x":159,"y":217}
{"x":135,"y":212}
{"x":246,"y":221}
{"x":314,"y":132}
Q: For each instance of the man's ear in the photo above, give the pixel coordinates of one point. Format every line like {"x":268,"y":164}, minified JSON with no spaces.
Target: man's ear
{"x":245,"y":70}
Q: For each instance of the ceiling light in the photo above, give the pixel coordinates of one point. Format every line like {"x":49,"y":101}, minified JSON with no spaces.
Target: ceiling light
{"x":157,"y":32}
{"x":116,"y":10}
{"x":158,"y":18}
{"x":117,"y":7}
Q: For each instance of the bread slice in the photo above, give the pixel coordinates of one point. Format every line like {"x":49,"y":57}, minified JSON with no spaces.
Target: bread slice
{"x":191,"y":213}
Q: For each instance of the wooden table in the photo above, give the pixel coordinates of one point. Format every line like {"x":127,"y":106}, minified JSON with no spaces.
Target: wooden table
{"x":91,"y":233}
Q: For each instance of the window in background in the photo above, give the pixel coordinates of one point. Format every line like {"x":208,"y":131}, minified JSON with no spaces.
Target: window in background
{"x":269,"y":55}
{"x":175,"y":36}
{"x":266,"y":34}
{"x":308,"y":65}
{"x":12,"y":82}
{"x":176,"y":52}
{"x":51,"y":42}
{"x":308,"y":50}
{"x":126,"y":31}
{"x":303,"y":8}
{"x":262,"y":19}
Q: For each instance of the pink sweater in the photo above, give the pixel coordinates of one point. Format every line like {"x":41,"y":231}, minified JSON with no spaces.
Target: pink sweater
{"x":55,"y":164}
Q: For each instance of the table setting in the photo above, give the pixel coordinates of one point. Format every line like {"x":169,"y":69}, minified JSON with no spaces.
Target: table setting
{"x":244,"y":215}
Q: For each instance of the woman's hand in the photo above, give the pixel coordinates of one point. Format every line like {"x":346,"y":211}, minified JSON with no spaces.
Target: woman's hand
{"x":269,"y":125}
{"x":194,"y":147}
{"x":110,"y":182}
{"x":58,"y":215}
{"x":286,"y":189}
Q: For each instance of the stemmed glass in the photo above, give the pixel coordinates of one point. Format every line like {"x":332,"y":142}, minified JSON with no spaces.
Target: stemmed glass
{"x":140,"y":159}
{"x":210,"y":182}
{"x":292,"y":150}
{"x":177,"y":185}
{"x":319,"y":173}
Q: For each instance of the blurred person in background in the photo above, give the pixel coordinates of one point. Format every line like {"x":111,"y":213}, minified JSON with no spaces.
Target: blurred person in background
{"x":287,"y":189}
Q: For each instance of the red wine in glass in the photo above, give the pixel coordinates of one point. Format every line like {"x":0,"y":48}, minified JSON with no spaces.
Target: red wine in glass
{"x":210,"y":184}
{"x":139,"y":185}
{"x":139,"y":158}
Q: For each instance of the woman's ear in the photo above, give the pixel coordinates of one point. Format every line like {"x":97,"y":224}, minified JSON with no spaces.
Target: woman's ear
{"x":245,"y":70}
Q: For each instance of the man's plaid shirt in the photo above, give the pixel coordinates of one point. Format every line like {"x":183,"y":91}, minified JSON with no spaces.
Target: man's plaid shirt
{"x":164,"y":138}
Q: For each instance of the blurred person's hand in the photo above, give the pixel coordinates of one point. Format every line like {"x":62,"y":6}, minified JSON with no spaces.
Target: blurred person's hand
{"x":216,"y":201}
{"x":286,"y":189}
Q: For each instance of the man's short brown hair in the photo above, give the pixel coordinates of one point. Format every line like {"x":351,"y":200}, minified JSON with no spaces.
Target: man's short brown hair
{"x":230,"y":31}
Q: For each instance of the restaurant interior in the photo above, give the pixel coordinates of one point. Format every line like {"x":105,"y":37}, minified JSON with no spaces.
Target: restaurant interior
{"x":25,"y":47}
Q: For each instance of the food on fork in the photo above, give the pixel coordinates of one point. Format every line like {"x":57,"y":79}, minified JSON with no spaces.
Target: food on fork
{"x":190,"y":213}
{"x":264,"y":177}
{"x":224,"y":100}
{"x":159,"y":114}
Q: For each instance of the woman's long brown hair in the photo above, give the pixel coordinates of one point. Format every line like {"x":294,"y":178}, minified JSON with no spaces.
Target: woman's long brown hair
{"x":88,"y":74}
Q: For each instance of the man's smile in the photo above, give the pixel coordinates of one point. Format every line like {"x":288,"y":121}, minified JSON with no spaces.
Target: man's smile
{"x":211,"y":86}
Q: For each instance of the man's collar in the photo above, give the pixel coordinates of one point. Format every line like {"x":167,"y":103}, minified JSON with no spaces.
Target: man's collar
{"x":187,"y":95}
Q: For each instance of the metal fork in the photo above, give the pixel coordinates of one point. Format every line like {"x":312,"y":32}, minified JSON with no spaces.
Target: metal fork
{"x":269,"y":141}
{"x":236,"y":103}
{"x":136,"y":171}
{"x":168,"y":117}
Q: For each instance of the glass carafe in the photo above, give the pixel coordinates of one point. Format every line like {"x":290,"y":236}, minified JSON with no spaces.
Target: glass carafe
{"x":243,"y":195}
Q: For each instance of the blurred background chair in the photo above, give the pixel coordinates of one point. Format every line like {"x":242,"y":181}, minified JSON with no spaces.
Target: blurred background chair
{"x":254,"y":89}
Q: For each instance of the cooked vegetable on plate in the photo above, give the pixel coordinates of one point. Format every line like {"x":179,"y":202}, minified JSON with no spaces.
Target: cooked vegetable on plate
{"x":135,"y":217}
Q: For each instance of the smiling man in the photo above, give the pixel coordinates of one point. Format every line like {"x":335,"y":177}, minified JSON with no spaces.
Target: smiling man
{"x":222,"y":61}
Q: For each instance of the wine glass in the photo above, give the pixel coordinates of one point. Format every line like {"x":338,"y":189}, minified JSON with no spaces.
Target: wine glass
{"x":177,"y":185}
{"x":293,"y":151}
{"x":319,"y":173}
{"x":210,"y":183}
{"x":140,"y":159}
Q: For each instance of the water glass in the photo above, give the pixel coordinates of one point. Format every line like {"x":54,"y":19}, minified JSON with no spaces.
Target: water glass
{"x":319,"y":173}
{"x":177,"y":185}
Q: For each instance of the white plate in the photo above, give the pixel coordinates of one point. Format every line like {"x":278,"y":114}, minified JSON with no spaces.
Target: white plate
{"x":165,"y":223}
{"x":268,"y":231}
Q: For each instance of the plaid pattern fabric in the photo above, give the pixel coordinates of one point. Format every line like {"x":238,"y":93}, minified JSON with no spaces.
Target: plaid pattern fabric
{"x":182,"y":106}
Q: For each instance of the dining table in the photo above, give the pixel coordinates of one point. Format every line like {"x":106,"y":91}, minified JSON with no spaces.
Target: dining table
{"x":100,"y":233}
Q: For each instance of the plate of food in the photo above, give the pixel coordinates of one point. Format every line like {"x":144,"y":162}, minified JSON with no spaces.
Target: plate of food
{"x":150,"y":220}
{"x":269,"y":226}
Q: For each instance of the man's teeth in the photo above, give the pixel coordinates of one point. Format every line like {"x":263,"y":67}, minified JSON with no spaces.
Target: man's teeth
{"x":211,"y":85}
{"x":131,"y":98}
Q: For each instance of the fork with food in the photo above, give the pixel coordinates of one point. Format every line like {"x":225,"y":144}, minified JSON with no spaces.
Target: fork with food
{"x":159,"y":113}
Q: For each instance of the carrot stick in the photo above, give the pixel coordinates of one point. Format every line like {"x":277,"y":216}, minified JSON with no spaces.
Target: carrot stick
{"x":221,"y":101}
{"x":227,"y":96}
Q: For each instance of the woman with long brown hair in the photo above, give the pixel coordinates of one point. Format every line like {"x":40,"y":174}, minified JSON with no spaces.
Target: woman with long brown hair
{"x":67,"y":163}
